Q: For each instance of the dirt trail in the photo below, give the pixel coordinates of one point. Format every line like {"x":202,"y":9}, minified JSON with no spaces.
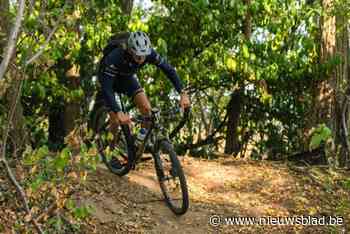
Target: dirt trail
{"x":133,"y":204}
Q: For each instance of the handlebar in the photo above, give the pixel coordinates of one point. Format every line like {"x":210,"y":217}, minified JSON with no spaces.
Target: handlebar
{"x":171,"y":113}
{"x":167,"y":114}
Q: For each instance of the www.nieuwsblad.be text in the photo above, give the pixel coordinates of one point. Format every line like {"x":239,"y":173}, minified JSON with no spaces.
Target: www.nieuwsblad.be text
{"x":217,"y":220}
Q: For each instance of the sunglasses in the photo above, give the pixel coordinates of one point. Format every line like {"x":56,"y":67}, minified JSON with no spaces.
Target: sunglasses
{"x":138,"y":57}
{"x":135,"y":56}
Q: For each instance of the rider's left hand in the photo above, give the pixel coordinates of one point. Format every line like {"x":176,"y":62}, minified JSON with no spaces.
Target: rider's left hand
{"x":184,"y":101}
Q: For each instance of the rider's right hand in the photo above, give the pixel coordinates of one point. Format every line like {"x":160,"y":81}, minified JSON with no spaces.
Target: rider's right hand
{"x":119,"y":118}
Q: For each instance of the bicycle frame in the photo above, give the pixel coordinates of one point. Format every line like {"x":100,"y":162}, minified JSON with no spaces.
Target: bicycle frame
{"x":155,"y":133}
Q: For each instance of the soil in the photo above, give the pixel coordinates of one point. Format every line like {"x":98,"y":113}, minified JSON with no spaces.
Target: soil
{"x":225,"y":187}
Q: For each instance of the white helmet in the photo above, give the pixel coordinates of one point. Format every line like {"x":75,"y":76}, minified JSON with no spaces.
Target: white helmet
{"x":139,"y":43}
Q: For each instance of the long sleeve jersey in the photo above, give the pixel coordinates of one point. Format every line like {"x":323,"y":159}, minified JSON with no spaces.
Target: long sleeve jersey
{"x":118,"y":64}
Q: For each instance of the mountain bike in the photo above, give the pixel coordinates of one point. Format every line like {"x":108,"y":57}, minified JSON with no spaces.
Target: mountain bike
{"x":120,"y":154}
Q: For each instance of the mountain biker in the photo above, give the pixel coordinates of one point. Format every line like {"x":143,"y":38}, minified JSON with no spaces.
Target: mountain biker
{"x":118,"y":74}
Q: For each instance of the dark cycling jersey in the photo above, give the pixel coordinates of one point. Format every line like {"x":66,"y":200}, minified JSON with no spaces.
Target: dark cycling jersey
{"x":117,"y":74}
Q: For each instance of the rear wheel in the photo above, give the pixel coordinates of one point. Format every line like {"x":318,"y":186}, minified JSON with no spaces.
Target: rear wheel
{"x":171,"y":178}
{"x":115,"y":145}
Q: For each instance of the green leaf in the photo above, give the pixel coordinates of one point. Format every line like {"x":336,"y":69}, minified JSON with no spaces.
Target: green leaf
{"x":56,"y":54}
{"x":346,"y":184}
{"x":42,"y":91}
{"x":315,"y":141}
{"x":110,"y":136}
{"x":36,"y":183}
{"x":252,"y":57}
{"x":325,"y":133}
{"x":65,"y":153}
{"x":320,"y":135}
{"x":61,"y":161}
{"x":231,"y":64}
{"x":70,"y":204}
{"x":202,"y":3}
{"x":43,"y":152}
{"x":162,"y":46}
{"x":245,"y":51}
{"x":82,"y":212}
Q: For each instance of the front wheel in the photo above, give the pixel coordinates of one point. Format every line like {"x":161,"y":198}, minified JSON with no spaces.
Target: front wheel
{"x":171,"y":178}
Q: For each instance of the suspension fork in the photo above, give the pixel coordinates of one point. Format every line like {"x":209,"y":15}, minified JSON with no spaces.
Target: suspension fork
{"x":157,"y":160}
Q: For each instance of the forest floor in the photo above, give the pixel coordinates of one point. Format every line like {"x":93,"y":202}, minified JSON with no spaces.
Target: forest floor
{"x":225,"y":187}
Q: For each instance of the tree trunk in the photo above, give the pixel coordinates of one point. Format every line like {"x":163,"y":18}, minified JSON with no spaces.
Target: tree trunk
{"x":4,"y":23}
{"x":56,"y":129}
{"x":72,"y":108}
{"x":18,"y":133}
{"x":325,"y":89}
{"x":247,"y":24}
{"x":62,"y":117}
{"x":328,"y":99}
{"x":233,"y":111}
{"x":342,"y":76}
{"x":126,"y":6}
{"x":4,"y":32}
{"x":235,"y":105}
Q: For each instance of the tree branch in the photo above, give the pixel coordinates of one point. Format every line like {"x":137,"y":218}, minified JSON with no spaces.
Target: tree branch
{"x":10,"y":117}
{"x":209,"y":140}
{"x":5,"y":163}
{"x":21,"y":192}
{"x":43,"y":46}
{"x":12,"y":40}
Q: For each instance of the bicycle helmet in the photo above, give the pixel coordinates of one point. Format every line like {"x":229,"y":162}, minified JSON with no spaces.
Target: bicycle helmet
{"x":139,"y":43}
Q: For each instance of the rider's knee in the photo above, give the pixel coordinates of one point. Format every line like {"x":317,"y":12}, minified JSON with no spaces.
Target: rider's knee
{"x":145,"y":108}
{"x":143,"y":103}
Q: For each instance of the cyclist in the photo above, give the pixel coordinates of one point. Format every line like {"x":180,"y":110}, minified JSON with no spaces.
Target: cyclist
{"x":118,"y":74}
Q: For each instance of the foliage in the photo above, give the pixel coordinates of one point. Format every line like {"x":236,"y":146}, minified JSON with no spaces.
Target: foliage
{"x":320,"y":135}
{"x":282,"y":52}
{"x":205,"y":41}
{"x":52,"y":178}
